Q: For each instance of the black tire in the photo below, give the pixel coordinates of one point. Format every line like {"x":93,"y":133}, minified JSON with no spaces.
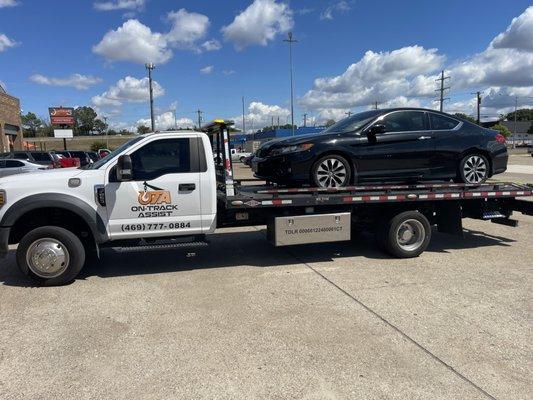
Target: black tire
{"x":242,"y":159}
{"x":336,"y":160}
{"x":388,"y":236}
{"x":67,"y":242}
{"x":479,"y":166}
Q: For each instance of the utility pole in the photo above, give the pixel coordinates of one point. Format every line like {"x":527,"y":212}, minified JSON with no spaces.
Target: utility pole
{"x":150,"y":67}
{"x":200,"y":112}
{"x":243,"y":117}
{"x":478,"y":96}
{"x":375,"y":105}
{"x":442,"y":79}
{"x":278,"y":121}
{"x":305,"y":120}
{"x":349,"y":114}
{"x":106,"y":133}
{"x":290,"y":40}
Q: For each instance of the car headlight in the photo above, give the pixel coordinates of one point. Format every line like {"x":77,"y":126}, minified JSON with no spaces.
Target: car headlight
{"x":290,"y":149}
{"x":3,"y":198}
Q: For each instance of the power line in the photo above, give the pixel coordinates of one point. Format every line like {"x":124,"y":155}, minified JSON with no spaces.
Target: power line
{"x":442,"y":79}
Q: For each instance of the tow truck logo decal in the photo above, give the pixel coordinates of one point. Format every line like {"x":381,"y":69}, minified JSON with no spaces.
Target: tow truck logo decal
{"x":154,"y":197}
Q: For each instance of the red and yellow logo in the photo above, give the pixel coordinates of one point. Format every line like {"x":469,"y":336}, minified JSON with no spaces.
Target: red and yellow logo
{"x":154,"y":197}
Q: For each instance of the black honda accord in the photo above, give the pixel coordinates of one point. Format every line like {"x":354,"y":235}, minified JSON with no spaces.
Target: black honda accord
{"x":397,"y":144}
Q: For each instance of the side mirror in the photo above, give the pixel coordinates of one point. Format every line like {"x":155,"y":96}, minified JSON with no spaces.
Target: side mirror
{"x":124,"y":169}
{"x":377,"y":129}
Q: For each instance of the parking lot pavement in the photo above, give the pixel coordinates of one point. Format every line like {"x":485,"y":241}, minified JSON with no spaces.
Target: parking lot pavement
{"x":244,"y":320}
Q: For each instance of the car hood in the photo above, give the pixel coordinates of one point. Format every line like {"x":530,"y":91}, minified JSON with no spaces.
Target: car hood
{"x":40,"y":177}
{"x":296,"y":140}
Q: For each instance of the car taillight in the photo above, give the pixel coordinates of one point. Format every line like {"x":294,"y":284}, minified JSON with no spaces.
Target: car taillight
{"x":499,"y":138}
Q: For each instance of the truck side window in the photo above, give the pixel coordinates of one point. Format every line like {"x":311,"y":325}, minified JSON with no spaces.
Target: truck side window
{"x":167,"y":156}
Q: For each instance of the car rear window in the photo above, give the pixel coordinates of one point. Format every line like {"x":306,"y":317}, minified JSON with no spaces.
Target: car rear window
{"x":440,"y":122}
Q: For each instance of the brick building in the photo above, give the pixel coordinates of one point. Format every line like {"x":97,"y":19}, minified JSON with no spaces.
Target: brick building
{"x":10,"y":123}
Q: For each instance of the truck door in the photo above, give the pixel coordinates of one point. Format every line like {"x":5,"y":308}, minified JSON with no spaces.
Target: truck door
{"x":163,"y":199}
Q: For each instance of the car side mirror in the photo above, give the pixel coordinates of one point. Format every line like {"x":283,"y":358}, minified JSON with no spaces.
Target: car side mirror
{"x":124,"y":169}
{"x":377,"y":129}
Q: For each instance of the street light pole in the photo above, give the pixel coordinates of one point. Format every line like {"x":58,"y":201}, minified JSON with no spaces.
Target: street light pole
{"x":150,"y":67}
{"x":290,"y":40}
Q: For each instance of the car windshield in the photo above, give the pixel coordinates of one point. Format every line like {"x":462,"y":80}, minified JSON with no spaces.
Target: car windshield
{"x":119,"y":150}
{"x":354,"y":122}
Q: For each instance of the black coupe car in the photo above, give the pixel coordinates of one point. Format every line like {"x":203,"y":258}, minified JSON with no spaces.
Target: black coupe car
{"x":398,"y":144}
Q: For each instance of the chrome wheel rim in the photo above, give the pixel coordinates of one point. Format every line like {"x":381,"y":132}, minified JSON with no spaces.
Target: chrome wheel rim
{"x":47,"y":258}
{"x":410,"y":235}
{"x":331,"y":173}
{"x":475,"y":169}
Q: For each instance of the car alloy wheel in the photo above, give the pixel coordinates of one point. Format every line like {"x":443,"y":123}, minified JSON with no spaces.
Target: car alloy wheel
{"x":331,"y":172}
{"x":475,"y":169}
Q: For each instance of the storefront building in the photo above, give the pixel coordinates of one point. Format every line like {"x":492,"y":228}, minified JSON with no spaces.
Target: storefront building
{"x":10,"y":123}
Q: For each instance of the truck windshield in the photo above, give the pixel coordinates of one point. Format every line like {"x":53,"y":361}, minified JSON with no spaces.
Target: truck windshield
{"x":113,"y":154}
{"x":354,"y":122}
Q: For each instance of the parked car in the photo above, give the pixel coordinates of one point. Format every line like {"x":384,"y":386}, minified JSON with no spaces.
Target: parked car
{"x":37,"y":157}
{"x":93,"y":155}
{"x":13,"y":167}
{"x":239,"y":155}
{"x":398,"y":144}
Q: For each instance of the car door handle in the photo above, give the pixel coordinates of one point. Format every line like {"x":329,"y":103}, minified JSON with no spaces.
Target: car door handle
{"x":187,"y":187}
{"x":424,"y":137}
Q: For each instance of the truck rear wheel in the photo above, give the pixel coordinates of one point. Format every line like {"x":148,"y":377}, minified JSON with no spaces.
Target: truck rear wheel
{"x":406,"y":235}
{"x":51,"y":255}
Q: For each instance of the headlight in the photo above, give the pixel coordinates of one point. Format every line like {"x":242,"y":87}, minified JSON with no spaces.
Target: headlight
{"x":3,"y":198}
{"x":290,"y":149}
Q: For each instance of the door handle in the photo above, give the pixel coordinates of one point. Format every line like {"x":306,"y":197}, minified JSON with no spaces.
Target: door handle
{"x":187,"y":187}
{"x":424,"y":137}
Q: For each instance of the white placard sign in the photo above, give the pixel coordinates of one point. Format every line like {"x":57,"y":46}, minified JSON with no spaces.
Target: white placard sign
{"x":63,"y":133}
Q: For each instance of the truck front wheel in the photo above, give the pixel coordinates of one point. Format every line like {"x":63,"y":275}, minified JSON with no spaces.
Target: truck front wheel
{"x":51,"y":255}
{"x":406,"y":235}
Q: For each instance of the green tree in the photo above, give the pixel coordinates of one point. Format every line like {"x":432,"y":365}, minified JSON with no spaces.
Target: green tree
{"x":100,"y":126}
{"x":502,"y":129}
{"x":46,"y":130}
{"x":142,"y":129}
{"x":330,"y":122}
{"x":466,"y":117}
{"x":523,"y":114}
{"x":85,"y":119}
{"x":530,"y":130}
{"x":31,"y":124}
{"x":97,"y":145}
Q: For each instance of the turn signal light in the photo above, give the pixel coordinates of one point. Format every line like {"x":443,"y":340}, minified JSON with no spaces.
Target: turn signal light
{"x":2,"y":198}
{"x":500,"y":138}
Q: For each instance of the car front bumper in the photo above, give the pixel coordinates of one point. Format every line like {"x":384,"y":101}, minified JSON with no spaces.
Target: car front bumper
{"x":294,"y":167}
{"x":4,"y":241}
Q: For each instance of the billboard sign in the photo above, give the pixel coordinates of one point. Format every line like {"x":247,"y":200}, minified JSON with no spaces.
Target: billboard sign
{"x":62,"y":116}
{"x":63,"y":133}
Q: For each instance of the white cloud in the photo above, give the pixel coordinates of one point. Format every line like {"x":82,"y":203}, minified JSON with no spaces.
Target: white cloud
{"x":128,"y":89}
{"x":167,"y":121}
{"x":6,"y":43}
{"x":519,"y":35}
{"x":211,"y":45}
{"x":260,"y":115}
{"x":207,"y":70}
{"x":119,"y":5}
{"x":340,"y":6}
{"x":377,"y":77}
{"x":8,"y":3}
{"x":77,"y":81}
{"x":134,"y":42}
{"x":259,"y":24}
{"x":187,"y":29}
{"x":228,"y":72}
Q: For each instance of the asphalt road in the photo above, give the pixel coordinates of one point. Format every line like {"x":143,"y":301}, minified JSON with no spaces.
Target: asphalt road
{"x":244,"y":320}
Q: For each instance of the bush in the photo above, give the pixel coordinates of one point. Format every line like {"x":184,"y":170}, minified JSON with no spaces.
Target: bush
{"x":95,"y":146}
{"x":502,"y":129}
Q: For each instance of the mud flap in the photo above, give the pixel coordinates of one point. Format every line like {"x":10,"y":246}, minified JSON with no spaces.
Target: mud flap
{"x":450,"y":218}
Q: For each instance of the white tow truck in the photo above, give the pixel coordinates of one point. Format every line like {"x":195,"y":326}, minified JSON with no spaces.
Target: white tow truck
{"x":163,"y":191}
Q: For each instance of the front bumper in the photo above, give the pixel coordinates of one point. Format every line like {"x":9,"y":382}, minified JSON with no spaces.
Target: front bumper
{"x":294,"y":167}
{"x":4,"y":241}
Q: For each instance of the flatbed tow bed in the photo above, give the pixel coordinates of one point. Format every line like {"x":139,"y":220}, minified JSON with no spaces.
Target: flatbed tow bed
{"x":382,"y":209}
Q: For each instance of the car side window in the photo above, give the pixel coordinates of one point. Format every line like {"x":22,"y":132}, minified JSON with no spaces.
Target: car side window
{"x":405,"y":121}
{"x":441,"y":123}
{"x":161,"y":157}
{"x":2,"y":164}
{"x":13,"y":164}
{"x":21,"y":156}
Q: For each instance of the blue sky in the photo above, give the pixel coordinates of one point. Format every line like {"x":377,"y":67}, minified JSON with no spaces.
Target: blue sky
{"x":239,"y":46}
